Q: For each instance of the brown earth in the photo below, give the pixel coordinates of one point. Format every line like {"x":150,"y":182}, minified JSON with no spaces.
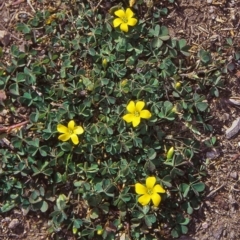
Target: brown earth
{"x":205,"y":25}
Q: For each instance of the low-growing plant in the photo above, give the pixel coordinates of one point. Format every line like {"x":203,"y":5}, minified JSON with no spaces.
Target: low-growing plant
{"x":109,"y":111}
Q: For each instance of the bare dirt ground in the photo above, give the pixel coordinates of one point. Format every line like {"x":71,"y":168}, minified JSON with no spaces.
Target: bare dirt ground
{"x":205,"y":25}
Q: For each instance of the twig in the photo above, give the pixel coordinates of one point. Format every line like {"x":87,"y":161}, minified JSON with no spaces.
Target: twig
{"x":215,"y":190}
{"x":29,"y":3}
{"x":17,"y":2}
{"x":10,"y":128}
{"x":97,"y":5}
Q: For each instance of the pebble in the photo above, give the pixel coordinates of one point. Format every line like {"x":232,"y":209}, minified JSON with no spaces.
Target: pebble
{"x":205,"y":225}
{"x":218,"y":233}
{"x":209,"y":1}
{"x":232,"y":4}
{"x":232,"y":235}
{"x":13,"y":224}
{"x":6,"y":219}
{"x":213,"y":154}
{"x":234,"y":175}
{"x":211,"y":9}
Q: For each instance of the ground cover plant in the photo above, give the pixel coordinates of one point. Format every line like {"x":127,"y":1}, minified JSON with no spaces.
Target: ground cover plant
{"x":111,"y":146}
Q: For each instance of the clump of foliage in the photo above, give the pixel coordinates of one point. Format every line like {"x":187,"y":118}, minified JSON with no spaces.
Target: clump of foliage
{"x":109,"y":110}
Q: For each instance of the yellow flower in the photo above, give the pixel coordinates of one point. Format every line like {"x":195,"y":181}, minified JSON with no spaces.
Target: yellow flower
{"x":70,"y":131}
{"x":136,"y":113}
{"x":124,"y":19}
{"x":149,"y":192}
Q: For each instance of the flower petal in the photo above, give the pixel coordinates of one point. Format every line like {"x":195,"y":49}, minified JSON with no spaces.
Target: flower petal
{"x":145,"y":114}
{"x":131,"y":107}
{"x":129,"y":13}
{"x":78,"y":130}
{"x":124,"y":27}
{"x":120,"y":13}
{"x":150,"y":182}
{"x":128,"y":117}
{"x":62,"y":129}
{"x":156,"y":199}
{"x":71,"y":125}
{"x":158,"y":189}
{"x":74,"y":139}
{"x":117,"y":22}
{"x":135,"y":121}
{"x":64,"y":137}
{"x":132,"y":21}
{"x":144,"y":199}
{"x":140,"y":189}
{"x":140,"y":105}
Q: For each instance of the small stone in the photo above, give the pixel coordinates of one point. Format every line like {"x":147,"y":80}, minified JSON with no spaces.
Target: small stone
{"x":13,"y":224}
{"x":205,"y":225}
{"x":218,"y":233}
{"x":211,"y":10}
{"x":6,"y":219}
{"x":234,"y":129}
{"x":213,"y":154}
{"x":234,"y":175}
{"x":232,"y":235}
{"x":209,"y":1}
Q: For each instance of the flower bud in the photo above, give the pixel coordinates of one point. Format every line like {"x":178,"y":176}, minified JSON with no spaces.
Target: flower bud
{"x":74,"y":230}
{"x":174,"y":109}
{"x":178,"y":85}
{"x":104,"y":63}
{"x":99,"y":231}
{"x":123,"y":82}
{"x":170,"y":153}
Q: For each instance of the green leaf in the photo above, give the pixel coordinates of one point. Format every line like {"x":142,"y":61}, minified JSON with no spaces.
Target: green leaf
{"x":176,"y":171}
{"x":157,"y":43}
{"x":188,"y":208}
{"x":22,"y":27}
{"x":204,"y":56}
{"x":182,"y":43}
{"x":137,"y":214}
{"x":184,"y":188}
{"x":202,"y":106}
{"x":185,"y":222}
{"x":151,"y":154}
{"x":7,"y":207}
{"x":156,"y":30}
{"x":47,"y":171}
{"x":175,"y":232}
{"x":66,"y":147}
{"x":199,"y":187}
{"x":184,"y":229}
{"x":150,"y":219}
{"x":145,"y":209}
{"x":94,"y":213}
{"x":92,"y":52}
{"x":44,"y":151}
{"x":14,"y":89}
{"x":44,"y":207}
{"x":164,"y":31}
